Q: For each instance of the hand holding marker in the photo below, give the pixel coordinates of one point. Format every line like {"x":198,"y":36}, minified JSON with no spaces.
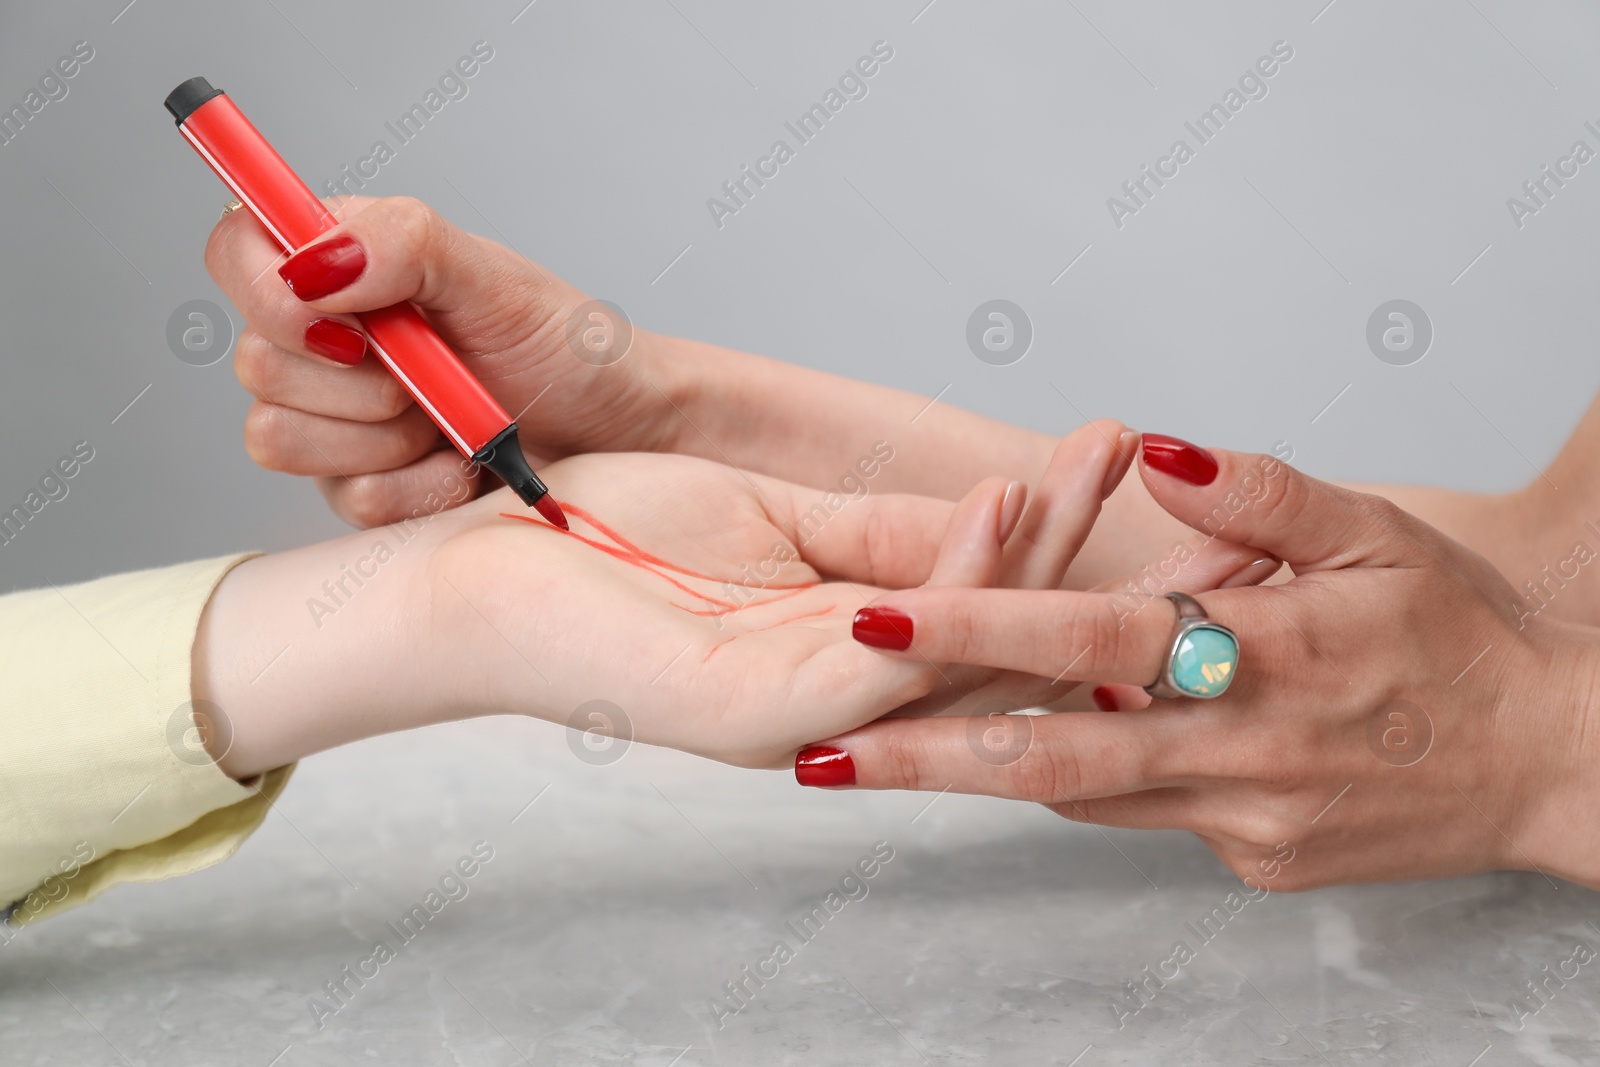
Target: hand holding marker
{"x":472,"y":419}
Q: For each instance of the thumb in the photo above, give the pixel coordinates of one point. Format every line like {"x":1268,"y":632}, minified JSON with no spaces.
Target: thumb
{"x":1261,"y":501}
{"x":484,"y":297}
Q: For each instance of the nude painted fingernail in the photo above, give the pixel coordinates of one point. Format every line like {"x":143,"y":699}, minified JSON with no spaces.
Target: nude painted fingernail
{"x":1252,"y":573}
{"x":1127,"y":448}
{"x":1011,"y":509}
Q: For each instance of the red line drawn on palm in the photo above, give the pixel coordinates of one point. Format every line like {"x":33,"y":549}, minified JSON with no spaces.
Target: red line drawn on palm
{"x":621,"y":548}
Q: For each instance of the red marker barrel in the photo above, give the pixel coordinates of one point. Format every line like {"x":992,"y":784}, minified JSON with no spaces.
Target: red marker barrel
{"x":469,"y":416}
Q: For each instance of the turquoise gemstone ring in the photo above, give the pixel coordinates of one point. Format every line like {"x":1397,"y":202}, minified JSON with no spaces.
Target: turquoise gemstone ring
{"x":1202,"y":658}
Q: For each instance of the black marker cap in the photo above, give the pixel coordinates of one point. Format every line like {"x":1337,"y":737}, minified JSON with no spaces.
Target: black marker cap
{"x":187,"y":98}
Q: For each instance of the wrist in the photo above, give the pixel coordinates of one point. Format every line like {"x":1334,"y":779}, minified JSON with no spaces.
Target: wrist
{"x":1556,"y":831}
{"x":1543,"y":541}
{"x":673,"y":372}
{"x":308,"y":649}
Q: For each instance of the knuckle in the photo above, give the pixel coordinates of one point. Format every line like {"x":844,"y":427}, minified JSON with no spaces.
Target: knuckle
{"x":906,"y":765}
{"x":1284,"y":497}
{"x":1101,"y":631}
{"x":1048,"y":774}
{"x":1281,"y":643}
{"x":1279,"y":765}
{"x":363,"y":500}
{"x":267,"y":437}
{"x":871,"y":538}
{"x":1381,"y":519}
{"x":1086,"y":641}
{"x":1240,"y":863}
{"x":426,"y":239}
{"x":218,"y":245}
{"x":1264,"y":869}
{"x":898,"y":552}
{"x":1291,"y":879}
{"x":959,"y":635}
{"x":415,"y":433}
{"x":1377,"y":509}
{"x":390,"y":398}
{"x":419,"y":224}
{"x":1262,"y":828}
{"x":214,"y":250}
{"x":254,"y":365}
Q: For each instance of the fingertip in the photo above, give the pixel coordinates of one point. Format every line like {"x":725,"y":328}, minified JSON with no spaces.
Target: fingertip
{"x":338,"y":342}
{"x":972,"y":550}
{"x":882,"y":627}
{"x":824,"y":767}
{"x":1173,"y":457}
{"x":1011,"y":505}
{"x":1253,"y":573}
{"x":325,"y":267}
{"x":1126,"y":449}
{"x":1120,"y":696}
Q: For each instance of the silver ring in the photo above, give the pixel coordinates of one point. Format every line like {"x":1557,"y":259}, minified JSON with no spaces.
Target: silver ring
{"x":1202,"y":657}
{"x":230,"y":207}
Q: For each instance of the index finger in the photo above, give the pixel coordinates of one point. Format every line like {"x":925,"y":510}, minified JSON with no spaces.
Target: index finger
{"x":1049,"y":633}
{"x":241,"y":257}
{"x":240,"y":251}
{"x":1261,"y":501}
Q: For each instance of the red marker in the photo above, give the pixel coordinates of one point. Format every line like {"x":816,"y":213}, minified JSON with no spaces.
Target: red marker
{"x":472,"y":419}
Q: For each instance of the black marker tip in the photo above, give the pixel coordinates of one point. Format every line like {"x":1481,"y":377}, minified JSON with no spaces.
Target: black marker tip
{"x":503,"y":455}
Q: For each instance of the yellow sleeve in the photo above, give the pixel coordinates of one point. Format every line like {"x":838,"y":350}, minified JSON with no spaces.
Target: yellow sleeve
{"x":102,"y":775}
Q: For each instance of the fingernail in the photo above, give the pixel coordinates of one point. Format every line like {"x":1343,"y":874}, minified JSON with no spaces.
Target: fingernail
{"x":1104,"y":698}
{"x":1127,"y":448}
{"x":1251,"y":574}
{"x":315,"y":272}
{"x":1180,"y":459}
{"x":1011,"y":509}
{"x":822,"y":767}
{"x":339,"y":341}
{"x":883,"y":628}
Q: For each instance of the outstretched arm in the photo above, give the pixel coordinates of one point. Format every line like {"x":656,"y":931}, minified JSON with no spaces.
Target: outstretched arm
{"x":555,"y":357}
{"x":150,"y":717}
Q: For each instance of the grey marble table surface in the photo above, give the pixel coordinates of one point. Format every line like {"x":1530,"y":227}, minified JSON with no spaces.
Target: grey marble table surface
{"x":621,"y":902}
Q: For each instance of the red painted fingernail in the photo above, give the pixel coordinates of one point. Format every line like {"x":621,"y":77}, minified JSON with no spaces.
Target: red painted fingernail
{"x":1104,"y":698}
{"x":339,"y":341}
{"x":823,"y":767}
{"x":883,"y":628}
{"x":1184,"y":461}
{"x":315,"y":272}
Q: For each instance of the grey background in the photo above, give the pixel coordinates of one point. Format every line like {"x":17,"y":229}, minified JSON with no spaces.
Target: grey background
{"x":990,"y":143}
{"x":1231,"y":310}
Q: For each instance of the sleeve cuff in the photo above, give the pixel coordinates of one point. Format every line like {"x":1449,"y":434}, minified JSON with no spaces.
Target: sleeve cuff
{"x":102,"y":778}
